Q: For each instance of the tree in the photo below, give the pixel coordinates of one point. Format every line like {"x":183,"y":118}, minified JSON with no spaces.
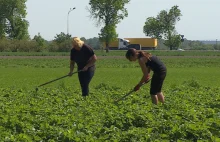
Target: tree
{"x":173,"y":42}
{"x":62,"y":37}
{"x":12,"y":22}
{"x":83,"y":39}
{"x":3,"y":15}
{"x":4,"y":12}
{"x":163,"y":26}
{"x":108,"y":34}
{"x":153,"y":28}
{"x":18,"y":29}
{"x":108,"y":13}
{"x":41,"y":42}
{"x":63,"y":42}
{"x":94,"y":42}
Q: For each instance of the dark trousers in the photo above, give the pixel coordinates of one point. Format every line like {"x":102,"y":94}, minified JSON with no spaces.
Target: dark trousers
{"x":84,"y":78}
{"x":157,"y":82}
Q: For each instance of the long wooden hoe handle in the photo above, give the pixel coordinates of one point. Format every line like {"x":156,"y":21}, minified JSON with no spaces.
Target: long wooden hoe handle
{"x":130,"y":92}
{"x":56,"y":79}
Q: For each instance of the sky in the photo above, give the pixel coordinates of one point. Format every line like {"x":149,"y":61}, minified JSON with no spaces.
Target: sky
{"x":199,"y":21}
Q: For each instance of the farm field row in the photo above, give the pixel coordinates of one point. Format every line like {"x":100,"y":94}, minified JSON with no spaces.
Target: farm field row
{"x":57,"y":112}
{"x":120,"y":53}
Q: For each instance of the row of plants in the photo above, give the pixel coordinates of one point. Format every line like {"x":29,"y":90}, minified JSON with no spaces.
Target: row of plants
{"x":191,"y":113}
{"x":58,"y":112}
{"x":193,"y":53}
{"x":106,"y":63}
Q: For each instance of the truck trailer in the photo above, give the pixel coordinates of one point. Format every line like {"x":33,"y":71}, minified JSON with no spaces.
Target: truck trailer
{"x":137,"y":43}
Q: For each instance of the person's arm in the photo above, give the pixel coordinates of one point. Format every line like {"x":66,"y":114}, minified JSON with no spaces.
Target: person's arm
{"x":145,"y":70}
{"x":72,"y":64}
{"x":91,"y":62}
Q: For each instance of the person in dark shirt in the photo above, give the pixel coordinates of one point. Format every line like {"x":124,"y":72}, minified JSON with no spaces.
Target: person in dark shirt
{"x":85,"y":58}
{"x":147,"y":63}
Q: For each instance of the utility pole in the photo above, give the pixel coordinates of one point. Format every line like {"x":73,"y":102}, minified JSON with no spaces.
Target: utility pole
{"x":71,"y":9}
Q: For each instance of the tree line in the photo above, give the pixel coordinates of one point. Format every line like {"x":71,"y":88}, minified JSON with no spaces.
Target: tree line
{"x":14,"y":36}
{"x":61,"y":43}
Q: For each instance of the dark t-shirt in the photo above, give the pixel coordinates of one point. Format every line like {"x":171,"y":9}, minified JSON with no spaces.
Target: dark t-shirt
{"x":156,"y":65}
{"x":81,"y":56}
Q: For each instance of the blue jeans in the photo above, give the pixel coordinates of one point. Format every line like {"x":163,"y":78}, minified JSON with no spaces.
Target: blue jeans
{"x":84,"y":78}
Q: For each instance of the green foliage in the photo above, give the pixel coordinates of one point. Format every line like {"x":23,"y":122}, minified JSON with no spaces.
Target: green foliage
{"x":53,"y":47}
{"x":18,"y":46}
{"x":12,"y":22}
{"x":62,"y":37}
{"x":2,"y":29}
{"x":153,"y":28}
{"x":109,"y":13}
{"x":169,"y":18}
{"x":41,"y":42}
{"x":63,"y":42}
{"x":65,"y":46}
{"x":174,"y":42}
{"x":120,"y":54}
{"x":18,"y":29}
{"x":110,"y":70}
{"x":108,"y":34}
{"x":216,"y":46}
{"x":61,"y":114}
{"x":58,"y":112}
{"x":93,"y":42}
{"x":163,"y":26}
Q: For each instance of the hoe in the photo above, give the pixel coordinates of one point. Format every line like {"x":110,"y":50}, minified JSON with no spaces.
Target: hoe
{"x":130,"y":92}
{"x":55,"y":80}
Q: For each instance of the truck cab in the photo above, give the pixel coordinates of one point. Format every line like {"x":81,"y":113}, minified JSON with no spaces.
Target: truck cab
{"x":123,"y":43}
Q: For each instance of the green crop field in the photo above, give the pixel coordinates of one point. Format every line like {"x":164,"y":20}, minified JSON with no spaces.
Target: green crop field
{"x":58,"y":113}
{"x":120,"y":53}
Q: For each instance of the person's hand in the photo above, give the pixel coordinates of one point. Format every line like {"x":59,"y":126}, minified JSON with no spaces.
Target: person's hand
{"x":137,"y":87}
{"x":70,"y":73}
{"x":148,"y":77}
{"x":85,"y":68}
